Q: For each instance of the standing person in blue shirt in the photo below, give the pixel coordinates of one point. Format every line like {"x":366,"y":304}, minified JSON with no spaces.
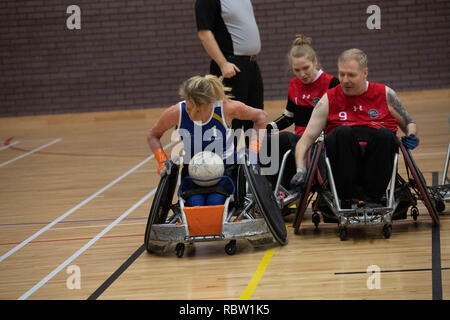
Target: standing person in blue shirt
{"x":229,"y":34}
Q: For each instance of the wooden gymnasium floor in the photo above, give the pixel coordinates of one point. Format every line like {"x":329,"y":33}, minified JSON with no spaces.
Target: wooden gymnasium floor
{"x":75,"y":191}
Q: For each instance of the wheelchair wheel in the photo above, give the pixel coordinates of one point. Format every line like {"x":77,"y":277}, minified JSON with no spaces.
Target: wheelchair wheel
{"x":420,"y":184}
{"x":312,"y":168}
{"x":265,"y":200}
{"x":162,"y":202}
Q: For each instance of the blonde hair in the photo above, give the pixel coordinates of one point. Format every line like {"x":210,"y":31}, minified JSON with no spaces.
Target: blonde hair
{"x":354,"y":54}
{"x":204,"y":90}
{"x":301,"y":47}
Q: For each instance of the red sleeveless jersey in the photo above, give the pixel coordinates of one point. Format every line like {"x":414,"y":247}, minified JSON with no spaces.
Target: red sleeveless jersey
{"x":305,"y":97}
{"x":369,"y":109}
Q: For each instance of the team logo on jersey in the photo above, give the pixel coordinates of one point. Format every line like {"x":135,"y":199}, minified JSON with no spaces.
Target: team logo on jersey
{"x":315,"y":101}
{"x":373,"y":113}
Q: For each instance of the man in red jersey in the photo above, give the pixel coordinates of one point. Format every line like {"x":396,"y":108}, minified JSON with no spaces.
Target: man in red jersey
{"x":360,"y":120}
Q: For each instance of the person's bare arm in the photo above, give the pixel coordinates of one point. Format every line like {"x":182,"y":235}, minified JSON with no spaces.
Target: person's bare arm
{"x":313,"y":130}
{"x":212,"y":48}
{"x":234,"y":109}
{"x":405,"y":121}
{"x":168,"y":119}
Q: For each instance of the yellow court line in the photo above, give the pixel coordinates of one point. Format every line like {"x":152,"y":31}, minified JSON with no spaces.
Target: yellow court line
{"x":257,"y":275}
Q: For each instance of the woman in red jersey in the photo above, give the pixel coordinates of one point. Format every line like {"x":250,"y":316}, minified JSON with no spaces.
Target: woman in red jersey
{"x":305,"y":90}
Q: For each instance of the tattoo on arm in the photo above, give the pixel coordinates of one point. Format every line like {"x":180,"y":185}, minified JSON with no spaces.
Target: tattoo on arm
{"x":395,"y":103}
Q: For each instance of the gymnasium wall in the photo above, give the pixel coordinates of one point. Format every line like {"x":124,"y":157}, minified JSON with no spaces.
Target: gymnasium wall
{"x":134,"y":54}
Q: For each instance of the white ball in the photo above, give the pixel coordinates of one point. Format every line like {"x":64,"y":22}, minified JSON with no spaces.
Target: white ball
{"x":206,"y":165}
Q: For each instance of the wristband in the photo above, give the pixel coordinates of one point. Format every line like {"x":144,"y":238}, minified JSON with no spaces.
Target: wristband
{"x":160,"y":156}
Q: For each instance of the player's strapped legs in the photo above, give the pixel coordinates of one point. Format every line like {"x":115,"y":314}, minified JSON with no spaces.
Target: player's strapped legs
{"x":344,"y":152}
{"x":378,"y":161}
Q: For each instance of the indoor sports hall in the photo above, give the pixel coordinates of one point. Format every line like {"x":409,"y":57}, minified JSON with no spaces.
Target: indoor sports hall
{"x":81,"y":86}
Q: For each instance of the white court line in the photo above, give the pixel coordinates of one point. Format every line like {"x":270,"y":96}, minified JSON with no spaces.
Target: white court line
{"x":37,"y":234}
{"x":9,"y":145}
{"x":85,"y":247}
{"x":98,"y":225}
{"x":30,"y":152}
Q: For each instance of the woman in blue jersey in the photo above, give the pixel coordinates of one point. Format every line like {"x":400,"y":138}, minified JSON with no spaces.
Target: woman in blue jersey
{"x":203,"y":121}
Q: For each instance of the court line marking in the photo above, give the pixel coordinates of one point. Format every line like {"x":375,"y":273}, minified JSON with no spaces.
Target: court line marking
{"x":71,"y":221}
{"x":30,"y":152}
{"x":85,"y":247}
{"x":9,"y":145}
{"x":98,"y":226}
{"x":78,"y":239}
{"x":436,"y":266}
{"x":386,"y":271}
{"x":105,"y":285}
{"x":81,"y":204}
{"x":247,"y":293}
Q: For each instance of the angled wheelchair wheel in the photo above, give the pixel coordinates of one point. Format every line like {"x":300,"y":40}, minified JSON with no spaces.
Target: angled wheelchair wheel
{"x":420,"y":184}
{"x":260,"y":187}
{"x":314,"y":156}
{"x":162,"y":202}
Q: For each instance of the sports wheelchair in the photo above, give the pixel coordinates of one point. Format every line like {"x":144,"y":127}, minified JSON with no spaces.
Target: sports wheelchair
{"x":250,"y":212}
{"x":400,"y":196}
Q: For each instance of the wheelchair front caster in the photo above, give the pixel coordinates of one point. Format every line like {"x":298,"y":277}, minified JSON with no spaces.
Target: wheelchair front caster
{"x":342,"y":233}
{"x":179,"y":250}
{"x":316,"y":219}
{"x":230,"y":247}
{"x":414,"y":213}
{"x":387,"y":230}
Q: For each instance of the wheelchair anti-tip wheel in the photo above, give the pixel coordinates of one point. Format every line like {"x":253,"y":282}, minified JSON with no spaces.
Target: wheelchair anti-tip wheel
{"x":414,"y":213}
{"x":342,"y":231}
{"x":179,"y":249}
{"x":316,"y":219}
{"x":387,"y":231}
{"x":230,"y":247}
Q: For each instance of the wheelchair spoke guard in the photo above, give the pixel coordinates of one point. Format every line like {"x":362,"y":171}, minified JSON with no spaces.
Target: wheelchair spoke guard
{"x":314,"y":156}
{"x":161,"y":202}
{"x":420,"y":184}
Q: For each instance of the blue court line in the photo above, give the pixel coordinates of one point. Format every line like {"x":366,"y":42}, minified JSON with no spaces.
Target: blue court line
{"x":72,"y":221}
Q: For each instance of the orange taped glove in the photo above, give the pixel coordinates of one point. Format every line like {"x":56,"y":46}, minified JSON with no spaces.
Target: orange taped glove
{"x":163,"y":161}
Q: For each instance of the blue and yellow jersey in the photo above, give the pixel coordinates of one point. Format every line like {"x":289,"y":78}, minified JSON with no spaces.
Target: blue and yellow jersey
{"x":214,"y":135}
